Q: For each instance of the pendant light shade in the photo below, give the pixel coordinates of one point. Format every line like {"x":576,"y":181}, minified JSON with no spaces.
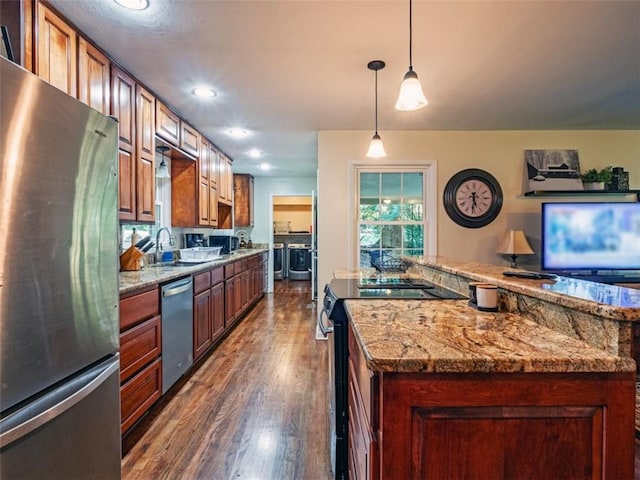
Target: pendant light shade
{"x":162,"y":171}
{"x":376,"y":148}
{"x":411,"y":96}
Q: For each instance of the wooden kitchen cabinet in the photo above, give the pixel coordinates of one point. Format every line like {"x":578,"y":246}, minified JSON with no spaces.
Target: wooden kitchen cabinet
{"x":189,"y":139}
{"x":93,"y":77}
{"x":167,"y":124}
{"x":243,"y":200}
{"x":208,"y":310}
{"x":225,"y":180}
{"x":134,"y":107}
{"x":140,"y":354}
{"x":56,"y":50}
{"x":145,"y":155}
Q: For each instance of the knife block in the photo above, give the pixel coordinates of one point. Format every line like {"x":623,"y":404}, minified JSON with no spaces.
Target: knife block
{"x":130,"y":260}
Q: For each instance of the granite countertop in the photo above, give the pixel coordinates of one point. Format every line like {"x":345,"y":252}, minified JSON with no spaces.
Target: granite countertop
{"x":150,"y":275}
{"x":450,"y":336}
{"x":608,"y":301}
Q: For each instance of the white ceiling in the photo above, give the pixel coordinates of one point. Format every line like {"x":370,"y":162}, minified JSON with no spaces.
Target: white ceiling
{"x":286,"y":69}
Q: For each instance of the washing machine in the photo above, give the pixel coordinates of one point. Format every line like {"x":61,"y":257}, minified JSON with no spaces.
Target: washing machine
{"x":299,"y":256}
{"x":278,"y":261}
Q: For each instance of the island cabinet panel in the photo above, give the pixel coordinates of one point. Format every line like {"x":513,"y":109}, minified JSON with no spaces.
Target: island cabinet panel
{"x":93,"y":77}
{"x":520,"y":425}
{"x":56,"y":52}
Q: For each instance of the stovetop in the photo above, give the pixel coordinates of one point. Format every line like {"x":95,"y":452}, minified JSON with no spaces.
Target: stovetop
{"x":397,"y":288}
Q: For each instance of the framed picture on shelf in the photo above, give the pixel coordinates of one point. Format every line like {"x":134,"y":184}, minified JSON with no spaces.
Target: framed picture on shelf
{"x":549,"y":170}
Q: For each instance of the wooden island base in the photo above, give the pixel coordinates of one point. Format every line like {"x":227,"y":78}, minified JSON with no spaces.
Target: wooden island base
{"x":489,"y":425}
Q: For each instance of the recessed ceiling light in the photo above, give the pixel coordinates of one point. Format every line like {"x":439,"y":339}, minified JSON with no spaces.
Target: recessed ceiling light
{"x":133,"y":4}
{"x":265,"y":166}
{"x":254,"y":153}
{"x":238,"y":132}
{"x":205,"y":92}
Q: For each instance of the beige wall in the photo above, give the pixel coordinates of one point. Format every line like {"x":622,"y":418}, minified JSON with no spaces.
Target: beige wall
{"x":498,"y":152}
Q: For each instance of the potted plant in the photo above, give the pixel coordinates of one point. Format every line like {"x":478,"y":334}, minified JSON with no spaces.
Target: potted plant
{"x":594,"y":179}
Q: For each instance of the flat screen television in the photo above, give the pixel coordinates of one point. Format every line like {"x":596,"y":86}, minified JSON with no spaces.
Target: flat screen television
{"x":590,"y":236}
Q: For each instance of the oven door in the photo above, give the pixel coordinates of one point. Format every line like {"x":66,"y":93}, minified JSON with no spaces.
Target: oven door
{"x":326,"y":328}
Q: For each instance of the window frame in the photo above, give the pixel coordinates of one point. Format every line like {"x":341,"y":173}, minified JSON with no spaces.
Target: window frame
{"x":429,"y":207}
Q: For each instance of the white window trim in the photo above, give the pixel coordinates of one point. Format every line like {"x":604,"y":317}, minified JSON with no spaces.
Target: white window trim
{"x":429,"y":171}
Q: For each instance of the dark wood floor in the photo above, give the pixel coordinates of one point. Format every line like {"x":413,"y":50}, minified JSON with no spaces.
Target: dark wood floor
{"x":255,"y":408}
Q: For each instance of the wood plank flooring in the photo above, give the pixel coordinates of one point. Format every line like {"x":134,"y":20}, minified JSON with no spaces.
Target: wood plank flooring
{"x":253,"y":409}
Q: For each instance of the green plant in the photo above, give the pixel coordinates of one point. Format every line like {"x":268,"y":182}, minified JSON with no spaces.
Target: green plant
{"x":596,"y":176}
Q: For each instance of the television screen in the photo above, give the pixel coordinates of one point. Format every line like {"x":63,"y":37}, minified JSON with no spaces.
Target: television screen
{"x":590,"y":236}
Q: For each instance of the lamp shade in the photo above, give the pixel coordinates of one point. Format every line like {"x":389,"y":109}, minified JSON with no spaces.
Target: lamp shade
{"x":376,"y":148}
{"x":514,"y":243}
{"x":411,"y":96}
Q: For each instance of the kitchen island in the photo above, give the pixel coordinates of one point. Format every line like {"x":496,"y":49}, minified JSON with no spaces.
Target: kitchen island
{"x":441,"y":390}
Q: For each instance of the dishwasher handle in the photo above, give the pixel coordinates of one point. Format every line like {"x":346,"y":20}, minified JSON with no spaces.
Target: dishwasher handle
{"x":177,"y":288}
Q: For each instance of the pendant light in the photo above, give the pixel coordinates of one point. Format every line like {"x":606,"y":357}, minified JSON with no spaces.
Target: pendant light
{"x":411,"y":96}
{"x":376,"y":148}
{"x":163,"y":170}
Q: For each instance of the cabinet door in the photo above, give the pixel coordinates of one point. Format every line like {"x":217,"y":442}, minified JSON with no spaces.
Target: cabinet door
{"x":202,"y":334}
{"x":56,"y":54}
{"x":217,"y":310}
{"x":229,"y":302}
{"x":189,"y":139}
{"x":204,"y":214}
{"x":243,"y":200}
{"x":123,"y":103}
{"x":213,"y":206}
{"x":93,"y":77}
{"x":145,"y":142}
{"x":213,"y":166}
{"x":126,"y":186}
{"x":167,"y":124}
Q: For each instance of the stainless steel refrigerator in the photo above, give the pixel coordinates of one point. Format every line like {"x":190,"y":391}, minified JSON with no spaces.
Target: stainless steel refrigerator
{"x":59,"y":362}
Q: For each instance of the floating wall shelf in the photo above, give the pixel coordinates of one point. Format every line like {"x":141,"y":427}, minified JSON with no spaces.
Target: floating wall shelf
{"x":556,"y":193}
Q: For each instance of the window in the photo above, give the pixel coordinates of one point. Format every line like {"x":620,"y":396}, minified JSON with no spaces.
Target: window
{"x":391,"y":215}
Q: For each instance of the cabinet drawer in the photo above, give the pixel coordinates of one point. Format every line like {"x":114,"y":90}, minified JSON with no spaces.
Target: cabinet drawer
{"x":139,"y":393}
{"x":139,"y":346}
{"x":230,"y":270}
{"x":201,"y":282}
{"x":217,"y":275}
{"x":139,"y":307}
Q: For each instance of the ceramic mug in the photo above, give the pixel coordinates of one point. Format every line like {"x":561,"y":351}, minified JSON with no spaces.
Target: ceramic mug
{"x":487,"y":296}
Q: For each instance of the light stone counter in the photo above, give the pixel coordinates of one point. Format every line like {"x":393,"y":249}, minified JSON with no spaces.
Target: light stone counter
{"x":450,"y":336}
{"x":601,"y":315}
{"x":149,"y":276}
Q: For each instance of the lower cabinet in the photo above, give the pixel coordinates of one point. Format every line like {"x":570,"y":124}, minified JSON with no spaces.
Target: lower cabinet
{"x":208,"y":310}
{"x":140,"y":355}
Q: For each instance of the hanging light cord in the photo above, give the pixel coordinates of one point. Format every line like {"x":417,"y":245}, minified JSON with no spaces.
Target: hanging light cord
{"x":410,"y":37}
{"x":376,"y":102}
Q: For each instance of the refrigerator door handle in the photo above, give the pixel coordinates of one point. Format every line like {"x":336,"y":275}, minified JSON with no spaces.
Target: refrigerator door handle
{"x":53,"y":405}
{"x":178,"y":289}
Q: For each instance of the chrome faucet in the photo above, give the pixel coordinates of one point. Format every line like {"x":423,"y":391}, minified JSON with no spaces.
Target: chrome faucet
{"x":158,"y":246}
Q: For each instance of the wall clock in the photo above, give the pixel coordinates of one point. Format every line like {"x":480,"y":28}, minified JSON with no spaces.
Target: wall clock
{"x":472,"y":198}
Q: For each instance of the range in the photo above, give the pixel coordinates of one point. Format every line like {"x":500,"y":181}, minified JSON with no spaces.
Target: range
{"x":336,"y":292}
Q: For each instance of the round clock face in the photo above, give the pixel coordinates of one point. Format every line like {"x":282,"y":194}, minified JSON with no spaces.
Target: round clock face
{"x":472,"y":198}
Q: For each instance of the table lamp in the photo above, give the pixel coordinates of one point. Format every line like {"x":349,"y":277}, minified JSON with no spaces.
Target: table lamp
{"x":514,"y":243}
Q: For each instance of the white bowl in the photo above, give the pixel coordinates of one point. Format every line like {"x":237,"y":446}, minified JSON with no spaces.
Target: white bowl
{"x":199,"y":254}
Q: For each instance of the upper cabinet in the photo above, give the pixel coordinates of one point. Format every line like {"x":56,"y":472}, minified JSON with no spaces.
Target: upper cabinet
{"x":145,"y":154}
{"x":123,"y":106}
{"x":56,"y":51}
{"x":167,"y":124}
{"x":225,"y":180}
{"x":189,"y":139}
{"x":243,"y":200}
{"x":93,"y":77}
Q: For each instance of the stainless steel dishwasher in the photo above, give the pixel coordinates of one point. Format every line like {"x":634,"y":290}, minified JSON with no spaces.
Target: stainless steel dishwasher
{"x":177,"y":330}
